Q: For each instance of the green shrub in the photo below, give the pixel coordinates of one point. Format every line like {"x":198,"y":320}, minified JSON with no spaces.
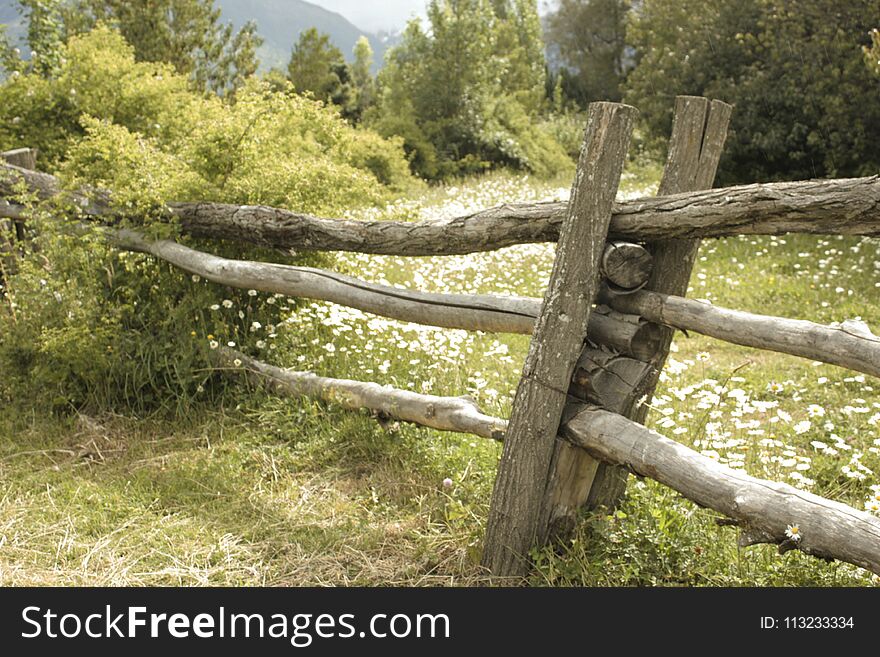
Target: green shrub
{"x":82,"y":324}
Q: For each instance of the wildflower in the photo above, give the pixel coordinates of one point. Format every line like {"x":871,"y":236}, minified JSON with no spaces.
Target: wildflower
{"x":802,"y":427}
{"x":237,"y":362}
{"x":873,"y":506}
{"x":256,"y":326}
{"x":192,"y":333}
{"x":702,"y":356}
{"x":196,"y":278}
{"x":252,"y":293}
{"x":775,"y":387}
{"x":447,"y":483}
{"x":227,"y":303}
{"x":214,"y":344}
{"x":814,"y":410}
{"x":793,"y":532}
{"x":261,"y":344}
{"x":215,"y":307}
{"x":201,"y":388}
{"x":230,"y":343}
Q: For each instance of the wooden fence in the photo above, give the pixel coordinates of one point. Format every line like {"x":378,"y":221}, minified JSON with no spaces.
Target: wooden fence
{"x":576,"y":427}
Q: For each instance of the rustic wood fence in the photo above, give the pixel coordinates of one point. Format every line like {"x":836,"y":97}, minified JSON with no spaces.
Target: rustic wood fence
{"x":600,"y":336}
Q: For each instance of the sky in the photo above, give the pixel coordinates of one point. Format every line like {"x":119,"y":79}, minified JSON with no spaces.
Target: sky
{"x":375,"y":15}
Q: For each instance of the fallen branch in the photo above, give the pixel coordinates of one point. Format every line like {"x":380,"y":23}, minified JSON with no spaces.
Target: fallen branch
{"x":850,"y":344}
{"x":845,"y":207}
{"x":459,"y":414}
{"x":763,"y":509}
{"x":475,"y":312}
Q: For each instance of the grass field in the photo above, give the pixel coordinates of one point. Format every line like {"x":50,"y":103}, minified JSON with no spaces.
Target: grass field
{"x":256,"y":490}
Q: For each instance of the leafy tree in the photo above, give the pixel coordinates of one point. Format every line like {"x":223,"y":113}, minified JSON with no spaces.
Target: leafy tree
{"x":317,"y":67}
{"x":90,"y":324}
{"x":362,"y":78}
{"x":462,"y":94}
{"x":101,"y":91}
{"x":519,"y":41}
{"x":184,"y":33}
{"x":806,"y":105}
{"x":590,"y":36}
{"x":45,"y":36}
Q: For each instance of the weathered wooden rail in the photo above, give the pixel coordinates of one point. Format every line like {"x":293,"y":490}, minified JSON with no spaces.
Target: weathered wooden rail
{"x":842,"y":207}
{"x":599,"y":337}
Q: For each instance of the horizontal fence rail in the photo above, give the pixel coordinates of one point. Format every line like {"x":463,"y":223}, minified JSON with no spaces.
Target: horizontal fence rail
{"x":459,"y":414}
{"x":845,"y":207}
{"x":762,"y":509}
{"x":849,"y":345}
{"x":600,"y":336}
{"x":476,"y":312}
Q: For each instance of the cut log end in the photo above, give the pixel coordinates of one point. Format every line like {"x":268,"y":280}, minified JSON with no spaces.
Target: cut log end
{"x":626,"y":266}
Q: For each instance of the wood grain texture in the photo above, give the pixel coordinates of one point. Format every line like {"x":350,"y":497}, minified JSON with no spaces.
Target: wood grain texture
{"x":842,"y":207}
{"x":626,"y":266}
{"x":763,"y":509}
{"x":699,"y":130}
{"x":26,"y":158}
{"x":518,"y":517}
{"x":458,"y":414}
{"x":849,"y":344}
{"x":475,"y":312}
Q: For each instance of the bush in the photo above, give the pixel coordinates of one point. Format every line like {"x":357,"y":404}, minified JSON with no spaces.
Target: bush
{"x":806,"y":104}
{"x":85,"y":325}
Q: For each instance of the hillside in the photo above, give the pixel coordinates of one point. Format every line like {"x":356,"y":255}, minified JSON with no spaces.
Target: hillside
{"x":279,"y":22}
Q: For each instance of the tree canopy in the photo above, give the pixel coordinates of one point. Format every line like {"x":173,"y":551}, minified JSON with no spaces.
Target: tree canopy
{"x":806,"y":104}
{"x":463,"y":93}
{"x":188,"y":34}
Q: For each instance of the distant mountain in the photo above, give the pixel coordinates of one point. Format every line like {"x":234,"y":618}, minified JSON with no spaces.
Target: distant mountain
{"x":279,"y":22}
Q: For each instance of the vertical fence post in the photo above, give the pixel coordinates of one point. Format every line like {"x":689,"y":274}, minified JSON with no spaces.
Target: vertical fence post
{"x":699,"y":131}
{"x":26,"y":158}
{"x":518,"y":499}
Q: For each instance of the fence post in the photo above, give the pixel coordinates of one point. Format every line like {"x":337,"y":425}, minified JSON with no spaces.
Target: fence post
{"x":699,"y":131}
{"x":515,"y":516}
{"x":26,"y":158}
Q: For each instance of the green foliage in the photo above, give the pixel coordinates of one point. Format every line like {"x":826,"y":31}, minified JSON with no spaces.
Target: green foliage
{"x":317,"y":67}
{"x":187,"y":34}
{"x":463,"y":95}
{"x":84,"y":325}
{"x":364,"y":83}
{"x":806,"y":105}
{"x":590,"y":36}
{"x":98,"y":78}
{"x":45,"y":34}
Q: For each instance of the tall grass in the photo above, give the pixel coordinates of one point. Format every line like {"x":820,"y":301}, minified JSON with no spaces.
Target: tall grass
{"x":249,"y":489}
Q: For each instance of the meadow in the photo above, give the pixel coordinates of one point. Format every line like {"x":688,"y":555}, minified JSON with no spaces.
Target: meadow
{"x":247,"y":489}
